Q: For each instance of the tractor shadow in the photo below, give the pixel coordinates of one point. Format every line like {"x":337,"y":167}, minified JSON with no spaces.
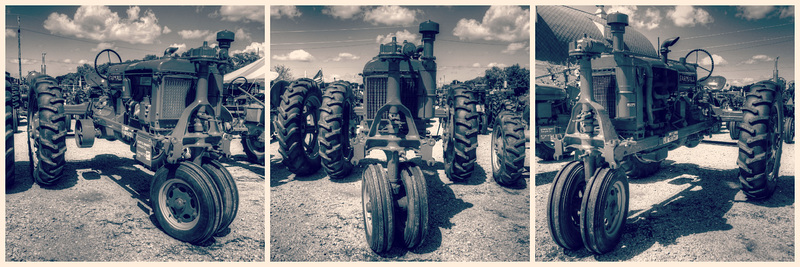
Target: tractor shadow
{"x":708,"y":195}
{"x":241,"y":161}
{"x":280,"y":175}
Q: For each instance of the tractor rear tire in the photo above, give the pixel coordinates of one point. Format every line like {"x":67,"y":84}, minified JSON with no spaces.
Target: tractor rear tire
{"x":335,"y":130}
{"x":297,"y":138}
{"x":788,"y":130}
{"x":253,"y":145}
{"x":508,"y":149}
{"x":636,"y":167}
{"x":760,"y":144}
{"x":47,"y":131}
{"x":10,"y":158}
{"x":461,"y":144}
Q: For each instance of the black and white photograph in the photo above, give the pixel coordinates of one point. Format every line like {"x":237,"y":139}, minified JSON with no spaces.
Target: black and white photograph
{"x":400,"y":133}
{"x":135,"y":133}
{"x":664,"y":133}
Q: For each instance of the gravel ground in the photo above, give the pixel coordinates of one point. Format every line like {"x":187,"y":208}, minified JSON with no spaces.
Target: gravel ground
{"x":100,"y":211}
{"x":691,"y":210}
{"x":315,"y":218}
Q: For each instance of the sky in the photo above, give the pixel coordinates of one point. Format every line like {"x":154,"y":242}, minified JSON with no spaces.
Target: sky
{"x":339,"y":40}
{"x":73,"y":35}
{"x":743,"y":40}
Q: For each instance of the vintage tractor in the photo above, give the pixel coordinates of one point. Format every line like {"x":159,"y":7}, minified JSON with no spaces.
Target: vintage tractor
{"x":553,"y":107}
{"x":398,"y":109}
{"x":170,"y":112}
{"x":632,"y":110}
{"x":245,"y":102}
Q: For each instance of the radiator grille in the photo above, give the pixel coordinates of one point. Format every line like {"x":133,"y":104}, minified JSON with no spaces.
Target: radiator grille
{"x":375,"y":95}
{"x":175,"y":90}
{"x":605,"y":93}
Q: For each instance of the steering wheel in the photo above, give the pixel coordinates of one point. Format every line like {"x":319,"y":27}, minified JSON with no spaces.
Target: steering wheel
{"x":108,"y":52}
{"x":696,"y":62}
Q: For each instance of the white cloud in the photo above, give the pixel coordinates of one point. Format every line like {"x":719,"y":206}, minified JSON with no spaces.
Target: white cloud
{"x":718,"y":60}
{"x":689,"y":16}
{"x":194,"y":34}
{"x":25,"y":61}
{"x":166,"y":30}
{"x":514,"y":47}
{"x":82,"y":61}
{"x":502,"y":23}
{"x":343,"y":56}
{"x":296,"y":55}
{"x":11,"y":33}
{"x":102,"y":46}
{"x":67,"y":61}
{"x":280,"y":11}
{"x":495,"y":64}
{"x":786,"y":12}
{"x":342,"y":12}
{"x":254,"y":47}
{"x":181,"y":48}
{"x":242,"y":13}
{"x":753,"y":12}
{"x":476,"y":65}
{"x":403,"y":35}
{"x":391,"y":15}
{"x":758,"y":59}
{"x":100,"y":24}
{"x":241,"y":35}
{"x":651,"y":20}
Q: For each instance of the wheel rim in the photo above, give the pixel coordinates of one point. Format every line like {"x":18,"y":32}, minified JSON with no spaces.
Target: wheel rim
{"x":574,"y":206}
{"x":179,"y":203}
{"x":775,"y":148}
{"x":612,"y":208}
{"x":366,"y":204}
{"x":497,"y":144}
{"x":310,"y":131}
{"x":33,"y":134}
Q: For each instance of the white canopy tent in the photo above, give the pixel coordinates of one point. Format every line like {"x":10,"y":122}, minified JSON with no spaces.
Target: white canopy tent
{"x":253,"y":72}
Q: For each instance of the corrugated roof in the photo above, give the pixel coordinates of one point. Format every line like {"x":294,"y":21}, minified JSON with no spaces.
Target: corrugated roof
{"x":557,"y":26}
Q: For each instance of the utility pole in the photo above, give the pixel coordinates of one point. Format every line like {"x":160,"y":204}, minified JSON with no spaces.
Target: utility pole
{"x":44,"y":67}
{"x":19,"y":49}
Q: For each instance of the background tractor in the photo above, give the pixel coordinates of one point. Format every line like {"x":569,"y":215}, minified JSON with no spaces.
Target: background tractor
{"x":321,"y":130}
{"x":245,"y":101}
{"x":169,"y":110}
{"x":632,"y":110}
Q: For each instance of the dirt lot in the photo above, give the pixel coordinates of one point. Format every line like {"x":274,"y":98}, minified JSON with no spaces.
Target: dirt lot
{"x":100,"y":211}
{"x":318,"y":219}
{"x":691,"y":210}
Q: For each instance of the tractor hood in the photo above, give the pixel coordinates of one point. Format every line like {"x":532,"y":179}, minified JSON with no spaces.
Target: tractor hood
{"x":164,"y":65}
{"x":549,"y":92}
